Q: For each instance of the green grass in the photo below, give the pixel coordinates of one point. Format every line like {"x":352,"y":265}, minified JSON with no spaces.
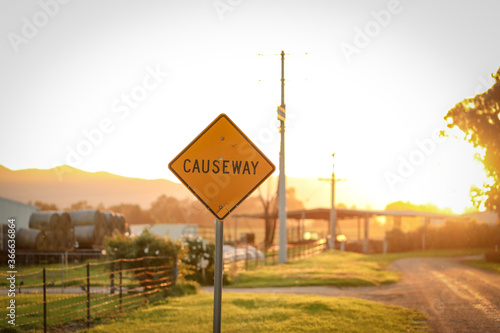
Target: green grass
{"x":483,"y":264}
{"x":386,"y":259}
{"x":64,"y":309}
{"x":334,"y":268}
{"x":32,"y":276}
{"x":267,"y":313}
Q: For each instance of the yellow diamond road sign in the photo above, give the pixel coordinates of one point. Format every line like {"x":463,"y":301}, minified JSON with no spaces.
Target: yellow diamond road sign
{"x":221,"y":166}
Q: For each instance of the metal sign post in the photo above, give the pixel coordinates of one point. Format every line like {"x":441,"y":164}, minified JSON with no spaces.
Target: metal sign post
{"x":218,"y":274}
{"x":221,"y":167}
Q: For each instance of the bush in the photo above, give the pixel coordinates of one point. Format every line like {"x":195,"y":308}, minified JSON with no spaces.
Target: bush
{"x":157,"y":253}
{"x":145,"y":245}
{"x":182,"y":288}
{"x":199,"y":258}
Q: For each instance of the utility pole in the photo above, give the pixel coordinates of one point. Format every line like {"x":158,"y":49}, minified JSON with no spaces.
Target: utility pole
{"x":282,"y":254}
{"x":333,"y":211}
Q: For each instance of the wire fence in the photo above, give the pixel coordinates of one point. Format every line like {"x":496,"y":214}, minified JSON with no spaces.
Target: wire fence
{"x":55,"y":298}
{"x":64,"y":292}
{"x":249,"y":257}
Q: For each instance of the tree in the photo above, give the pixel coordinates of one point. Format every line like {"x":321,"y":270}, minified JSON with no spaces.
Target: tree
{"x":267,"y":205}
{"x":133,"y":214}
{"x":270,"y":207}
{"x":428,"y":207}
{"x":198,"y":214}
{"x":168,"y":210}
{"x":80,"y":205}
{"x":479,"y":119}
{"x":44,"y":206}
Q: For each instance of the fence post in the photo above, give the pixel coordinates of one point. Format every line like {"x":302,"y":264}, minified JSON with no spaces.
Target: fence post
{"x":145,"y":281}
{"x":176,"y":271}
{"x":44,"y":302}
{"x":62,"y":272}
{"x":246,"y":257}
{"x":88,"y":296}
{"x":256,"y":256}
{"x":112,"y":279}
{"x":121,"y":267}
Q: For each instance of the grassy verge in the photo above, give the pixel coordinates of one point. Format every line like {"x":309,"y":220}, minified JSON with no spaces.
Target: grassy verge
{"x":329,"y":268}
{"x":386,"y":259}
{"x":66,"y":311}
{"x":268,"y":313}
{"x":483,"y":264}
{"x":76,"y":275}
{"x":63,"y":309}
{"x":334,"y":268}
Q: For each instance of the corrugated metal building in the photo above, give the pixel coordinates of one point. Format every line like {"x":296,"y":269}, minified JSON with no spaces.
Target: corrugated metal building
{"x":18,"y":210}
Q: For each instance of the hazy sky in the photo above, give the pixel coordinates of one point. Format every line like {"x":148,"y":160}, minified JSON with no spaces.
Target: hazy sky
{"x":123,"y":86}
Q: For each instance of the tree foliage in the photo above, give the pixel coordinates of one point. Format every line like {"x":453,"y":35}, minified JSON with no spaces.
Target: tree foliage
{"x":44,"y":206}
{"x":479,"y":119}
{"x":451,"y":235}
{"x":133,"y":213}
{"x":428,"y":207}
{"x":167,"y":209}
{"x":80,"y":205}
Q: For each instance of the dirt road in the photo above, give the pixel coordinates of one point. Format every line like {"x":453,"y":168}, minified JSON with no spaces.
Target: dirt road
{"x":456,"y":298}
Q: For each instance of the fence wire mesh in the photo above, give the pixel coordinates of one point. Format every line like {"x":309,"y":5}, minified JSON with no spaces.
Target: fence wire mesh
{"x":54,"y":296}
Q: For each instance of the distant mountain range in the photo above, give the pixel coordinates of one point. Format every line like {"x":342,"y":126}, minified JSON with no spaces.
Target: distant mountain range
{"x":66,"y":185}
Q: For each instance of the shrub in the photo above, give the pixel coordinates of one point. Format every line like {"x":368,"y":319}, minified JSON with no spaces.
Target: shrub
{"x":199,"y":258}
{"x":159,"y":256}
{"x":182,"y":288}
